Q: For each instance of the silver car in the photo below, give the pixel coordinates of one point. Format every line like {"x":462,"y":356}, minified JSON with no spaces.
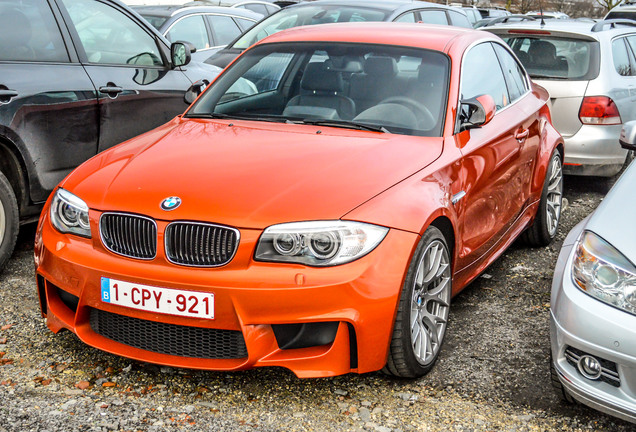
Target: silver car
{"x":589,"y":69}
{"x":593,"y":304}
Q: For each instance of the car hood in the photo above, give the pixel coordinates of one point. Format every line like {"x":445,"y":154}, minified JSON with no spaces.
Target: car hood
{"x":249,"y":174}
{"x":613,"y":220}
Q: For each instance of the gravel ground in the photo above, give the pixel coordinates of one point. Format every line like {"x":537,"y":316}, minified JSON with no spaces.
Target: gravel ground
{"x":493,"y":372}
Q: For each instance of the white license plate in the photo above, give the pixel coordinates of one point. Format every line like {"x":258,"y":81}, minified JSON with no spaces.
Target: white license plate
{"x":154,"y":299}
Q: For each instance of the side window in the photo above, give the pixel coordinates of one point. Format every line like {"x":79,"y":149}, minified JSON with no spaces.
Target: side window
{"x":28,"y":32}
{"x":191,"y":29}
{"x":459,"y":20}
{"x":110,"y":37}
{"x":433,"y":17}
{"x":481,"y":74}
{"x":407,"y":18}
{"x":258,"y":8}
{"x":244,"y":24}
{"x":224,"y":28}
{"x":631,"y":41}
{"x":621,"y":57}
{"x":512,"y":72}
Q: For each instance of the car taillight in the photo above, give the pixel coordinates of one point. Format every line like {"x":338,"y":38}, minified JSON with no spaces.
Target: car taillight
{"x":599,"y":110}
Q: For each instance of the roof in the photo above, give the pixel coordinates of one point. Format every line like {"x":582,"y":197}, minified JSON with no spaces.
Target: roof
{"x":385,"y":5}
{"x":435,"y":37}
{"x":172,"y":10}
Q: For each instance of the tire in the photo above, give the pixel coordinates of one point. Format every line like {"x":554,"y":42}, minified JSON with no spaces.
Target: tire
{"x":8,"y":220}
{"x":557,"y":386}
{"x":425,"y":302}
{"x":546,"y":223}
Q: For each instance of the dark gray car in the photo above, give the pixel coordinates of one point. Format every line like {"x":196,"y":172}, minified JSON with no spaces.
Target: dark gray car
{"x":76,"y":77}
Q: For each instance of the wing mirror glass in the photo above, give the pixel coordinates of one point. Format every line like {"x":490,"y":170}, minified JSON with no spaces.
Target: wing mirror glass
{"x":476,"y":112}
{"x":195,"y":90}
{"x":627,"y":139}
{"x":181,"y":53}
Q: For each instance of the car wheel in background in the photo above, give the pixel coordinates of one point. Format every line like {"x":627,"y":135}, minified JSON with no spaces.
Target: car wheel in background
{"x":8,"y":220}
{"x":546,"y":223}
{"x":556,"y":384}
{"x":422,"y":314}
{"x":629,"y":158}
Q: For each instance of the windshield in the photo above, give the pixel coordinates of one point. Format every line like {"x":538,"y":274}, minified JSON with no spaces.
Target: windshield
{"x":307,"y":15}
{"x":370,"y":87}
{"x":549,"y":57}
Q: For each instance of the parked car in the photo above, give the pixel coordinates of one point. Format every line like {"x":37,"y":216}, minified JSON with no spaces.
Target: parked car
{"x":264,"y":8}
{"x":312,"y":225}
{"x":592,"y":322}
{"x":548,"y":15}
{"x":338,"y":11}
{"x":590,"y":73}
{"x":78,"y":76}
{"x":207,"y":28}
{"x":493,"y":12}
{"x":625,"y":10}
{"x":472,"y":13}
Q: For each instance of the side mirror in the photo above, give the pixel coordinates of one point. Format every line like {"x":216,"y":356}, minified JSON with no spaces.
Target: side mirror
{"x":476,"y":112}
{"x":181,"y":53}
{"x":627,"y":139}
{"x":195,"y":90}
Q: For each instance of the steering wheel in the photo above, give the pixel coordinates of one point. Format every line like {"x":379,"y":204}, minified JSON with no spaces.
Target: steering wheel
{"x":422,"y":113}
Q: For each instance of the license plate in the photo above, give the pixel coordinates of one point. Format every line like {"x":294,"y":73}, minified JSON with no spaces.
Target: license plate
{"x":155,"y":299}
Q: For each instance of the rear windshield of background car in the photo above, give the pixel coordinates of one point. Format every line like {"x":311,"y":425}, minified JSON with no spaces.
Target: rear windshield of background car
{"x":308,"y":15}
{"x":621,"y":15}
{"x":391,"y":89}
{"x":549,"y":57}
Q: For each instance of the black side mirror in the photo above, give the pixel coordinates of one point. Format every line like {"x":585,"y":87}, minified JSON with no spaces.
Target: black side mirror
{"x":181,"y":53}
{"x":195,"y":90}
{"x":627,"y":139}
{"x":476,"y":112}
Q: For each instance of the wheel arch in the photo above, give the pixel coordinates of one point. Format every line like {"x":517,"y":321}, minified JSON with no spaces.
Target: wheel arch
{"x":13,"y":167}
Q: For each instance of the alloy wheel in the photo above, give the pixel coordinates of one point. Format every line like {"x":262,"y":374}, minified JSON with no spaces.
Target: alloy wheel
{"x":555,"y":194}
{"x":430,"y":302}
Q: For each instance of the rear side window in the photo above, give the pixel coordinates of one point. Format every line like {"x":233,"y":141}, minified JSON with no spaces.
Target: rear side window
{"x":433,"y":17}
{"x":481,"y":74}
{"x":459,"y":20}
{"x":258,"y":8}
{"x":29,"y":32}
{"x":225,"y":29}
{"x":515,"y":77}
{"x":620,"y":57}
{"x":190,"y":29}
{"x":244,"y":24}
{"x":548,"y":57}
{"x":407,"y":18}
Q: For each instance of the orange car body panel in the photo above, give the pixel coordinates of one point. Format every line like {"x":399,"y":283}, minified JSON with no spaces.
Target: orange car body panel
{"x":405,"y":183}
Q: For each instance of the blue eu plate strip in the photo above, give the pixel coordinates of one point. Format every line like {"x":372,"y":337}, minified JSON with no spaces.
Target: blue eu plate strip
{"x":106,"y":290}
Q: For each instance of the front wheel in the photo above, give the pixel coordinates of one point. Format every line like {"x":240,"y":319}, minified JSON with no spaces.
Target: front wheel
{"x":8,"y":220}
{"x":422,"y":315}
{"x":546,"y":222}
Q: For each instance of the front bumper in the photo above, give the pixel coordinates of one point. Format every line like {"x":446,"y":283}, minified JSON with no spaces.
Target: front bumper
{"x":594,"y":150}
{"x":585,"y":324}
{"x":250,"y":298}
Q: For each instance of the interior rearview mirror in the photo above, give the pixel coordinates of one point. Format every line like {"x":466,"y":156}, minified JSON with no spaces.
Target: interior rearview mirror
{"x":181,"y":53}
{"x":476,"y":112}
{"x":627,"y":139}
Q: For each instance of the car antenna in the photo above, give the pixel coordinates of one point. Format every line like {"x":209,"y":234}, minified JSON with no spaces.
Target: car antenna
{"x":541,"y":11}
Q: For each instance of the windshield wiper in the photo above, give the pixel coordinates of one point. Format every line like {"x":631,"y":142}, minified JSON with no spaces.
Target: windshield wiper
{"x":275,"y":119}
{"x":342,"y":124}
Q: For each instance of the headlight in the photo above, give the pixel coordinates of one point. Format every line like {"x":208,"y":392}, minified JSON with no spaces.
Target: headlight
{"x":603,"y":272}
{"x":322,"y":243}
{"x":69,"y":214}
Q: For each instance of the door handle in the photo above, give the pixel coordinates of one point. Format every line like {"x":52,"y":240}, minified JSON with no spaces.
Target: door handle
{"x":6,"y":95}
{"x":522,"y":135}
{"x":111,"y":90}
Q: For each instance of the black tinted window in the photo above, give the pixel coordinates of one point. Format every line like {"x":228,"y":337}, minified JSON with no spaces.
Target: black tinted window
{"x":481,"y":74}
{"x":28,"y":32}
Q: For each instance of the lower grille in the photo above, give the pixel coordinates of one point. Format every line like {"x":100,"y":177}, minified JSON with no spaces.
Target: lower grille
{"x":609,"y":372}
{"x":169,"y":339}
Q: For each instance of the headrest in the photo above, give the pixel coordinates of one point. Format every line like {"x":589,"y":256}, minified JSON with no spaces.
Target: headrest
{"x":345,"y":64}
{"x":385,"y":67}
{"x":318,"y":77}
{"x":541,"y":50}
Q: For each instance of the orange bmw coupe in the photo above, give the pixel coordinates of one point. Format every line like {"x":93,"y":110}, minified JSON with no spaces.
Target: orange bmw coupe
{"x":316,"y":208}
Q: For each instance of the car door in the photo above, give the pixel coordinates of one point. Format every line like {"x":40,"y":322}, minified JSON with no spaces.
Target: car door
{"x":494,"y":164}
{"x":128,"y":65}
{"x":625,"y":84}
{"x":48,"y":104}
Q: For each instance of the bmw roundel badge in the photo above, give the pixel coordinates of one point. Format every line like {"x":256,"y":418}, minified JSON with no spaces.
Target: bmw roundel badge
{"x":170,"y":203}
